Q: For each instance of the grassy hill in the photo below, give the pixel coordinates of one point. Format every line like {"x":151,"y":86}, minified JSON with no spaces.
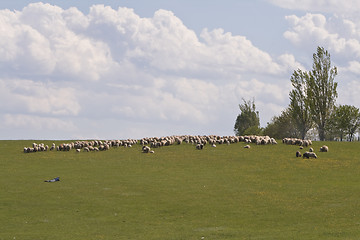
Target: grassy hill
{"x":178,"y":192}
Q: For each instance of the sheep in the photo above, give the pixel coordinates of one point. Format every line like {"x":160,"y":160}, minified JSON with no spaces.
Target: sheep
{"x":298,"y":154}
{"x":247,"y":146}
{"x":213,"y":145}
{"x":309,"y":155}
{"x":311,"y":149}
{"x":146,"y":149}
{"x":200,"y":146}
{"x":152,"y":151}
{"x":324,"y":148}
{"x":52,"y":147}
{"x":78,"y":150}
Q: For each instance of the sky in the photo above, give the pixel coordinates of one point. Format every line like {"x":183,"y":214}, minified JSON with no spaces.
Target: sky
{"x":136,"y":68}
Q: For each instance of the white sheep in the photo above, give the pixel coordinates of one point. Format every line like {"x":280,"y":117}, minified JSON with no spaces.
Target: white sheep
{"x":200,"y":146}
{"x":309,"y":155}
{"x":146,"y":149}
{"x":324,"y":148}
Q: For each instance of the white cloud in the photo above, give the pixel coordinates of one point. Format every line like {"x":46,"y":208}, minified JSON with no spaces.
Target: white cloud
{"x":311,"y":30}
{"x":34,"y":97}
{"x":332,"y":6}
{"x":36,"y":123}
{"x":113,"y":72}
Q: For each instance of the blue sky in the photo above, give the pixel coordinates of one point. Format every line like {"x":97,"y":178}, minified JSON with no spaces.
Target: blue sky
{"x":132,"y":69}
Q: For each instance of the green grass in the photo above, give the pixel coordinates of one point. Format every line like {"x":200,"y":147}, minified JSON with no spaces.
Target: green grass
{"x":226,"y":192}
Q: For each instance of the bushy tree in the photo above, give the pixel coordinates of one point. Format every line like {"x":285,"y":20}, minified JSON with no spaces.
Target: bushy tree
{"x":282,"y":126}
{"x":345,"y":120}
{"x":248,"y":120}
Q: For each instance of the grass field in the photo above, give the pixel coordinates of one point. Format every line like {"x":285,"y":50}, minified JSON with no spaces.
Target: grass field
{"x":226,"y":192}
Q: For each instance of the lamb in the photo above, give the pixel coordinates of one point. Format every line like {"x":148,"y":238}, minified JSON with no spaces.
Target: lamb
{"x":324,"y":148}
{"x":309,"y":155}
{"x":298,"y":154}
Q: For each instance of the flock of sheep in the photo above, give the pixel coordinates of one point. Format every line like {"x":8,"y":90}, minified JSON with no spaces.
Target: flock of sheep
{"x":302,"y":144}
{"x":149,"y":143}
{"x":86,"y":146}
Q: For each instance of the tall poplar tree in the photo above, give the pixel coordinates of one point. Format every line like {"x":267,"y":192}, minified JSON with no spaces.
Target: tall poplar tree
{"x":321,"y":90}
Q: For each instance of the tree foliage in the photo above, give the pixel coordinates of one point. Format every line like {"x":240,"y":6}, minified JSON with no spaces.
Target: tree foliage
{"x":248,"y":120}
{"x":282,"y":126}
{"x":299,"y":108}
{"x":313,"y":96}
{"x":345,"y":120}
{"x":321,"y":90}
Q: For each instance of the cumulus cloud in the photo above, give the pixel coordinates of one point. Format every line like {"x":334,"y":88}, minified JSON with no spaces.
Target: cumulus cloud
{"x":338,"y":35}
{"x":113,"y":72}
{"x":34,"y":97}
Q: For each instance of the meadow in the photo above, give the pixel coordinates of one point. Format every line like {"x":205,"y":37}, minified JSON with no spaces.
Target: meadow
{"x":178,"y":192}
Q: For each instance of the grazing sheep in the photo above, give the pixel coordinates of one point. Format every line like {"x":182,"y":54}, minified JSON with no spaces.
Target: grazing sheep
{"x":311,"y":150}
{"x":298,"y":154}
{"x":145,"y":149}
{"x":213,"y":145}
{"x":309,"y":155}
{"x":301,"y":147}
{"x":200,"y":146}
{"x":247,"y":146}
{"x":78,"y":150}
{"x":324,"y":148}
{"x":52,"y":147}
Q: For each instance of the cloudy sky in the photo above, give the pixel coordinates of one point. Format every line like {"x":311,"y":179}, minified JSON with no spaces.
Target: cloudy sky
{"x":135,"y":68}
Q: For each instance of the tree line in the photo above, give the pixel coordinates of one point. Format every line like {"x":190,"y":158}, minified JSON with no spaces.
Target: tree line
{"x":312,"y":107}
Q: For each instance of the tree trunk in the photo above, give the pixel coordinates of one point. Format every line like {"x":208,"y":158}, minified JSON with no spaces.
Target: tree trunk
{"x":321,"y":134}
